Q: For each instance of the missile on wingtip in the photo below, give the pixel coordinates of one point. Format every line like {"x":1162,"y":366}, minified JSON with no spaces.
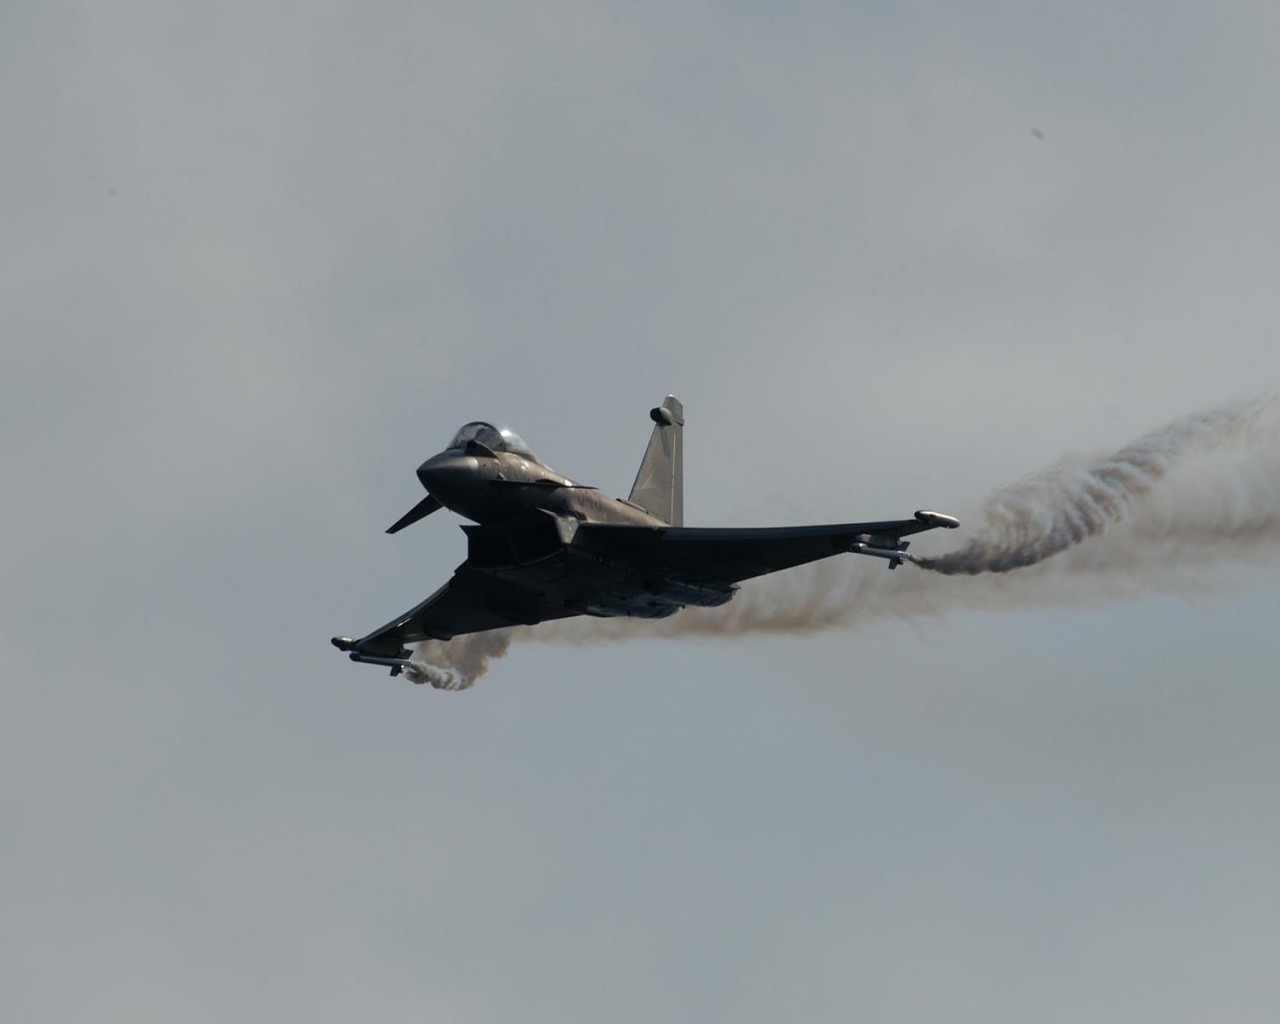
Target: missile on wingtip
{"x":896,"y":556}
{"x":346,"y":643}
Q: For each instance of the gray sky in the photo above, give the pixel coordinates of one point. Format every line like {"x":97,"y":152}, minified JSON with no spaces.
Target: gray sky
{"x":261,"y":259}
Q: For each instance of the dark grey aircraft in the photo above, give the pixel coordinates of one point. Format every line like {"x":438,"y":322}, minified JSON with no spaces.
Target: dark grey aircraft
{"x":545,"y":547}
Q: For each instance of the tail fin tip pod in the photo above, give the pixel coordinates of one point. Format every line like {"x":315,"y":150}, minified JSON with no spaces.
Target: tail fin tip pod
{"x":659,"y":486}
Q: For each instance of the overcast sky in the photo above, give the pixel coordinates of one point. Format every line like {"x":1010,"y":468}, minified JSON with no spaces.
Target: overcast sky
{"x":261,"y":259}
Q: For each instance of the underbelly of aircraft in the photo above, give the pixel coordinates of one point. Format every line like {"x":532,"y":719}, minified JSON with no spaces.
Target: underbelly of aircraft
{"x":585,"y":584}
{"x":672,"y":596}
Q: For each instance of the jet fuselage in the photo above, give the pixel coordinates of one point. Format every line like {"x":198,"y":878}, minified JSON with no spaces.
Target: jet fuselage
{"x":490,"y":487}
{"x":545,"y":547}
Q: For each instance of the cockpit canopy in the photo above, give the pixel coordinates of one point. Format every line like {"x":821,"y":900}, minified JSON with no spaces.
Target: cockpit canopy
{"x":494,"y":438}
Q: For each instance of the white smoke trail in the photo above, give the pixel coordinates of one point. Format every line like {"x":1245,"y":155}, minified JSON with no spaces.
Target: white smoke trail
{"x":456,"y":664}
{"x":1165,"y":513}
{"x":1052,"y":511}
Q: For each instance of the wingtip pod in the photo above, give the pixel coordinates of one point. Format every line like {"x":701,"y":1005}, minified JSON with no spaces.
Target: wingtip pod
{"x":931,"y":518}
{"x":670,"y":412}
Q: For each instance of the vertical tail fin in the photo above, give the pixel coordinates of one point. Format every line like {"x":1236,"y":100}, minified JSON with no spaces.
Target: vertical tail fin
{"x":659,"y":486}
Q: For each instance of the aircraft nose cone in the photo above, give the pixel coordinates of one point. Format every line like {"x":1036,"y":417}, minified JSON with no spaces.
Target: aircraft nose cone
{"x":442,"y":474}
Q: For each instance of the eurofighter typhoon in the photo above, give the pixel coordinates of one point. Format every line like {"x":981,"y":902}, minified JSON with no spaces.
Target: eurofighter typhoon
{"x":544,"y":547}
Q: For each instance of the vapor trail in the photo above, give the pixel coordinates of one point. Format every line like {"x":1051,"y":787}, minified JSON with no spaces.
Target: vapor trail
{"x":1045,"y":514}
{"x":456,"y":664}
{"x":1164,"y":513}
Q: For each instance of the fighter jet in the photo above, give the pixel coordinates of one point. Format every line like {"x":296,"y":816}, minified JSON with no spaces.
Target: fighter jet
{"x":546,"y":547}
